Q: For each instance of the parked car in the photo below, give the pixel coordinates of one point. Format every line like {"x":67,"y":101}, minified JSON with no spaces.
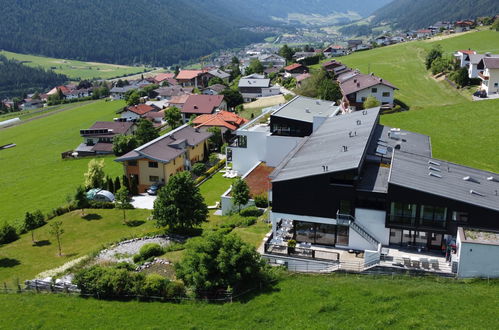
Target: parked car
{"x":153,"y":190}
{"x":100,"y":195}
{"x":481,"y":94}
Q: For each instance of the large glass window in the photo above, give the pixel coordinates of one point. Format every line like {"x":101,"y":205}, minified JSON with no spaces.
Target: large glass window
{"x":342,"y":235}
{"x":402,"y":213}
{"x":242,"y":141}
{"x":345,"y":207}
{"x":325,"y":234}
{"x":433,"y":215}
{"x":460,"y":216}
{"x":305,"y":231}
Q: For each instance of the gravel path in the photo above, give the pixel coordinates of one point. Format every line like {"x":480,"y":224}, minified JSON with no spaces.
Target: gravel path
{"x":124,"y":251}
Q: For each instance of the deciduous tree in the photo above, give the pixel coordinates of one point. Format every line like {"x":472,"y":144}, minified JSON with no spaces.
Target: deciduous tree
{"x":240,"y":193}
{"x":180,"y":204}
{"x":56,"y":230}
{"x":145,"y":132}
{"x":94,"y":178}
{"x":173,"y":117}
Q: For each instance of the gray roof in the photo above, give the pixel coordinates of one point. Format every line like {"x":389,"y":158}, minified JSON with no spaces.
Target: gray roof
{"x":491,"y":62}
{"x":259,"y":83}
{"x":123,"y":89}
{"x":476,"y":58}
{"x":169,"y":146}
{"x":384,"y":138}
{"x":305,"y":109}
{"x":413,"y":172}
{"x":325,"y":147}
{"x":219,"y":73}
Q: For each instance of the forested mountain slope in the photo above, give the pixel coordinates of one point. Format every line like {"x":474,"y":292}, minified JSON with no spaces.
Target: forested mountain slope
{"x":414,"y":14}
{"x":158,"y":32}
{"x":16,"y":78}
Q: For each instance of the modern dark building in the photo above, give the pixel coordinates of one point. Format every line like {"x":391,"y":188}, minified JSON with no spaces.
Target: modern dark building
{"x":357,"y":184}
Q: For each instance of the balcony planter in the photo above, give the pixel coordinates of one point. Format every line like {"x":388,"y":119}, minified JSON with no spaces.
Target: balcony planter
{"x":291,"y":246}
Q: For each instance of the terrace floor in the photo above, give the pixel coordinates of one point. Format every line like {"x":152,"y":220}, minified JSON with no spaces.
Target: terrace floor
{"x":396,"y":256}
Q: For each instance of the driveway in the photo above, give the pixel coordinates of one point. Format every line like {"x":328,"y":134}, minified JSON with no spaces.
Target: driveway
{"x":143,"y":201}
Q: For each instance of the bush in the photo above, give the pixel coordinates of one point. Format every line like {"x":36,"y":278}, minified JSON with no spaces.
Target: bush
{"x":200,"y":179}
{"x":261,"y":201}
{"x":102,"y":205}
{"x":219,"y":261}
{"x":246,"y":222}
{"x":148,"y":251}
{"x":251,"y":211}
{"x":120,"y":282}
{"x":58,"y":211}
{"x":198,"y":169}
{"x":7,"y":234}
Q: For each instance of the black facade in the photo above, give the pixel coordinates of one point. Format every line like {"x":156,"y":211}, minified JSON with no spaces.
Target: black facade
{"x":290,"y":127}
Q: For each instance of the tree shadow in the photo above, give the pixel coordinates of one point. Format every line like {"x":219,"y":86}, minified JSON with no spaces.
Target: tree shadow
{"x":42,"y":243}
{"x":91,"y":217}
{"x":9,"y":263}
{"x":69,"y":255}
{"x":135,"y":223}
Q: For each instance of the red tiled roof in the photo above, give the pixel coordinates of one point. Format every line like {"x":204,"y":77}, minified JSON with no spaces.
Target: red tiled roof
{"x":424,"y":31}
{"x":188,"y":74}
{"x":226,"y":119}
{"x":179,"y":99}
{"x":141,"y":109}
{"x":469,"y":52}
{"x":163,"y":76}
{"x":202,"y":103}
{"x":293,"y":66}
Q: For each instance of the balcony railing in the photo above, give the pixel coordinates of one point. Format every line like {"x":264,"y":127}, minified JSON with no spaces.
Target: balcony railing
{"x":415,"y":223}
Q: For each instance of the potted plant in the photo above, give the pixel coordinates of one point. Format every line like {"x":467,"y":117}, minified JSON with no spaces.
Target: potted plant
{"x":291,"y":246}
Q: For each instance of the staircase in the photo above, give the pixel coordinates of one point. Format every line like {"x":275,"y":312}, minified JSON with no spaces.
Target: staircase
{"x":350,"y":220}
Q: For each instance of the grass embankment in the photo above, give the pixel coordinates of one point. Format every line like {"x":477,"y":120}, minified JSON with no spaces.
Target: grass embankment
{"x":298,"y":302}
{"x":33,"y":175}
{"x":75,"y":69}
{"x":83,"y":235}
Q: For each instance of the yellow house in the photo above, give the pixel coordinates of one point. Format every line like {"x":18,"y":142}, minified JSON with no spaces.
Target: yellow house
{"x":158,"y":160}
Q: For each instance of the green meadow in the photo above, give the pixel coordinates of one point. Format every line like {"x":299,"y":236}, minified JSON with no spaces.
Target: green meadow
{"x":34,"y":175}
{"x":75,"y":70}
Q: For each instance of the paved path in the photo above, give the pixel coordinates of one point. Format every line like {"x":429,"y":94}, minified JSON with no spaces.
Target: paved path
{"x":143,"y":201}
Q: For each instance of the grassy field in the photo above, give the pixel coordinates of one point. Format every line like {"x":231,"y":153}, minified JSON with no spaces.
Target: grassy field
{"x":403,"y":66}
{"x":33,"y":174}
{"x":297,"y":302}
{"x":75,"y":69}
{"x":27,"y":114}
{"x":82,"y":235}
{"x":465,"y":133}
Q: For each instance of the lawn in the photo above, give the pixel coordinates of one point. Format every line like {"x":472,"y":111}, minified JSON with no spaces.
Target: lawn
{"x":214,"y":187}
{"x":27,"y":114}
{"x":33,"y":174}
{"x":75,"y":70}
{"x":82,"y":236}
{"x":466,"y":133}
{"x":403,"y":66}
{"x":297,"y":302}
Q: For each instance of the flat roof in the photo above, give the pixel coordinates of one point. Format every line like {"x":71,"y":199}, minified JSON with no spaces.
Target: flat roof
{"x":254,"y":82}
{"x":338,"y":144}
{"x":445,"y":179}
{"x":374,"y":178}
{"x":305,"y":109}
{"x":478,"y":236}
{"x":386,"y":138}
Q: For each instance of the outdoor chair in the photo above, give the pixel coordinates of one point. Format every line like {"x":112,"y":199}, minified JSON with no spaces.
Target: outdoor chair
{"x":407,"y":261}
{"x":415,"y":263}
{"x":434,"y":264}
{"x":425,"y":263}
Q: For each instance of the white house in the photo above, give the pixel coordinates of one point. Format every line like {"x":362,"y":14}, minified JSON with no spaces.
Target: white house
{"x":474,"y":61}
{"x":255,"y":86}
{"x":490,"y":75}
{"x":358,"y":87}
{"x":335,"y":50}
{"x":463,"y":57}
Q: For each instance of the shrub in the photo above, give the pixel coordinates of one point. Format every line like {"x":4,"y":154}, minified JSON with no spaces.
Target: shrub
{"x":246,"y":222}
{"x":261,"y":201}
{"x":251,"y":211}
{"x":102,"y":205}
{"x":200,"y":179}
{"x":148,"y":251}
{"x":213,"y":158}
{"x":7,"y":234}
{"x":198,"y":169}
{"x":219,"y":261}
{"x":155,"y":285}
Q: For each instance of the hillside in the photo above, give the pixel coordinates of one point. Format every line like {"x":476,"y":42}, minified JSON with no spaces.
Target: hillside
{"x":159,"y":32}
{"x":156,"y":32}
{"x":298,"y":302}
{"x":16,"y":78}
{"x":410,"y":14}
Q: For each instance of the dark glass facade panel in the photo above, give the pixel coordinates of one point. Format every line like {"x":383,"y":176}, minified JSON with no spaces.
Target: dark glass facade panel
{"x":342,"y":235}
{"x":305,"y":232}
{"x":325,"y":234}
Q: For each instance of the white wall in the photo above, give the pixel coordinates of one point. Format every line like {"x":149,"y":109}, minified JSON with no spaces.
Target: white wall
{"x":374,"y":222}
{"x":243,"y":159}
{"x":378,"y":95}
{"x":478,"y":260}
{"x":278,"y":147}
{"x":357,"y":242}
{"x":271,"y":91}
{"x":491,"y":86}
{"x":129,"y":115}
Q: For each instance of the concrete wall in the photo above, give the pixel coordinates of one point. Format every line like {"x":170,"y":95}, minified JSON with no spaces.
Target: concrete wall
{"x":477,"y":260}
{"x":374,"y":222}
{"x":378,"y":95}
{"x":129,"y":115}
{"x":228,"y":207}
{"x":357,"y":242}
{"x":243,"y":159}
{"x":491,"y":85}
{"x":278,"y":147}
